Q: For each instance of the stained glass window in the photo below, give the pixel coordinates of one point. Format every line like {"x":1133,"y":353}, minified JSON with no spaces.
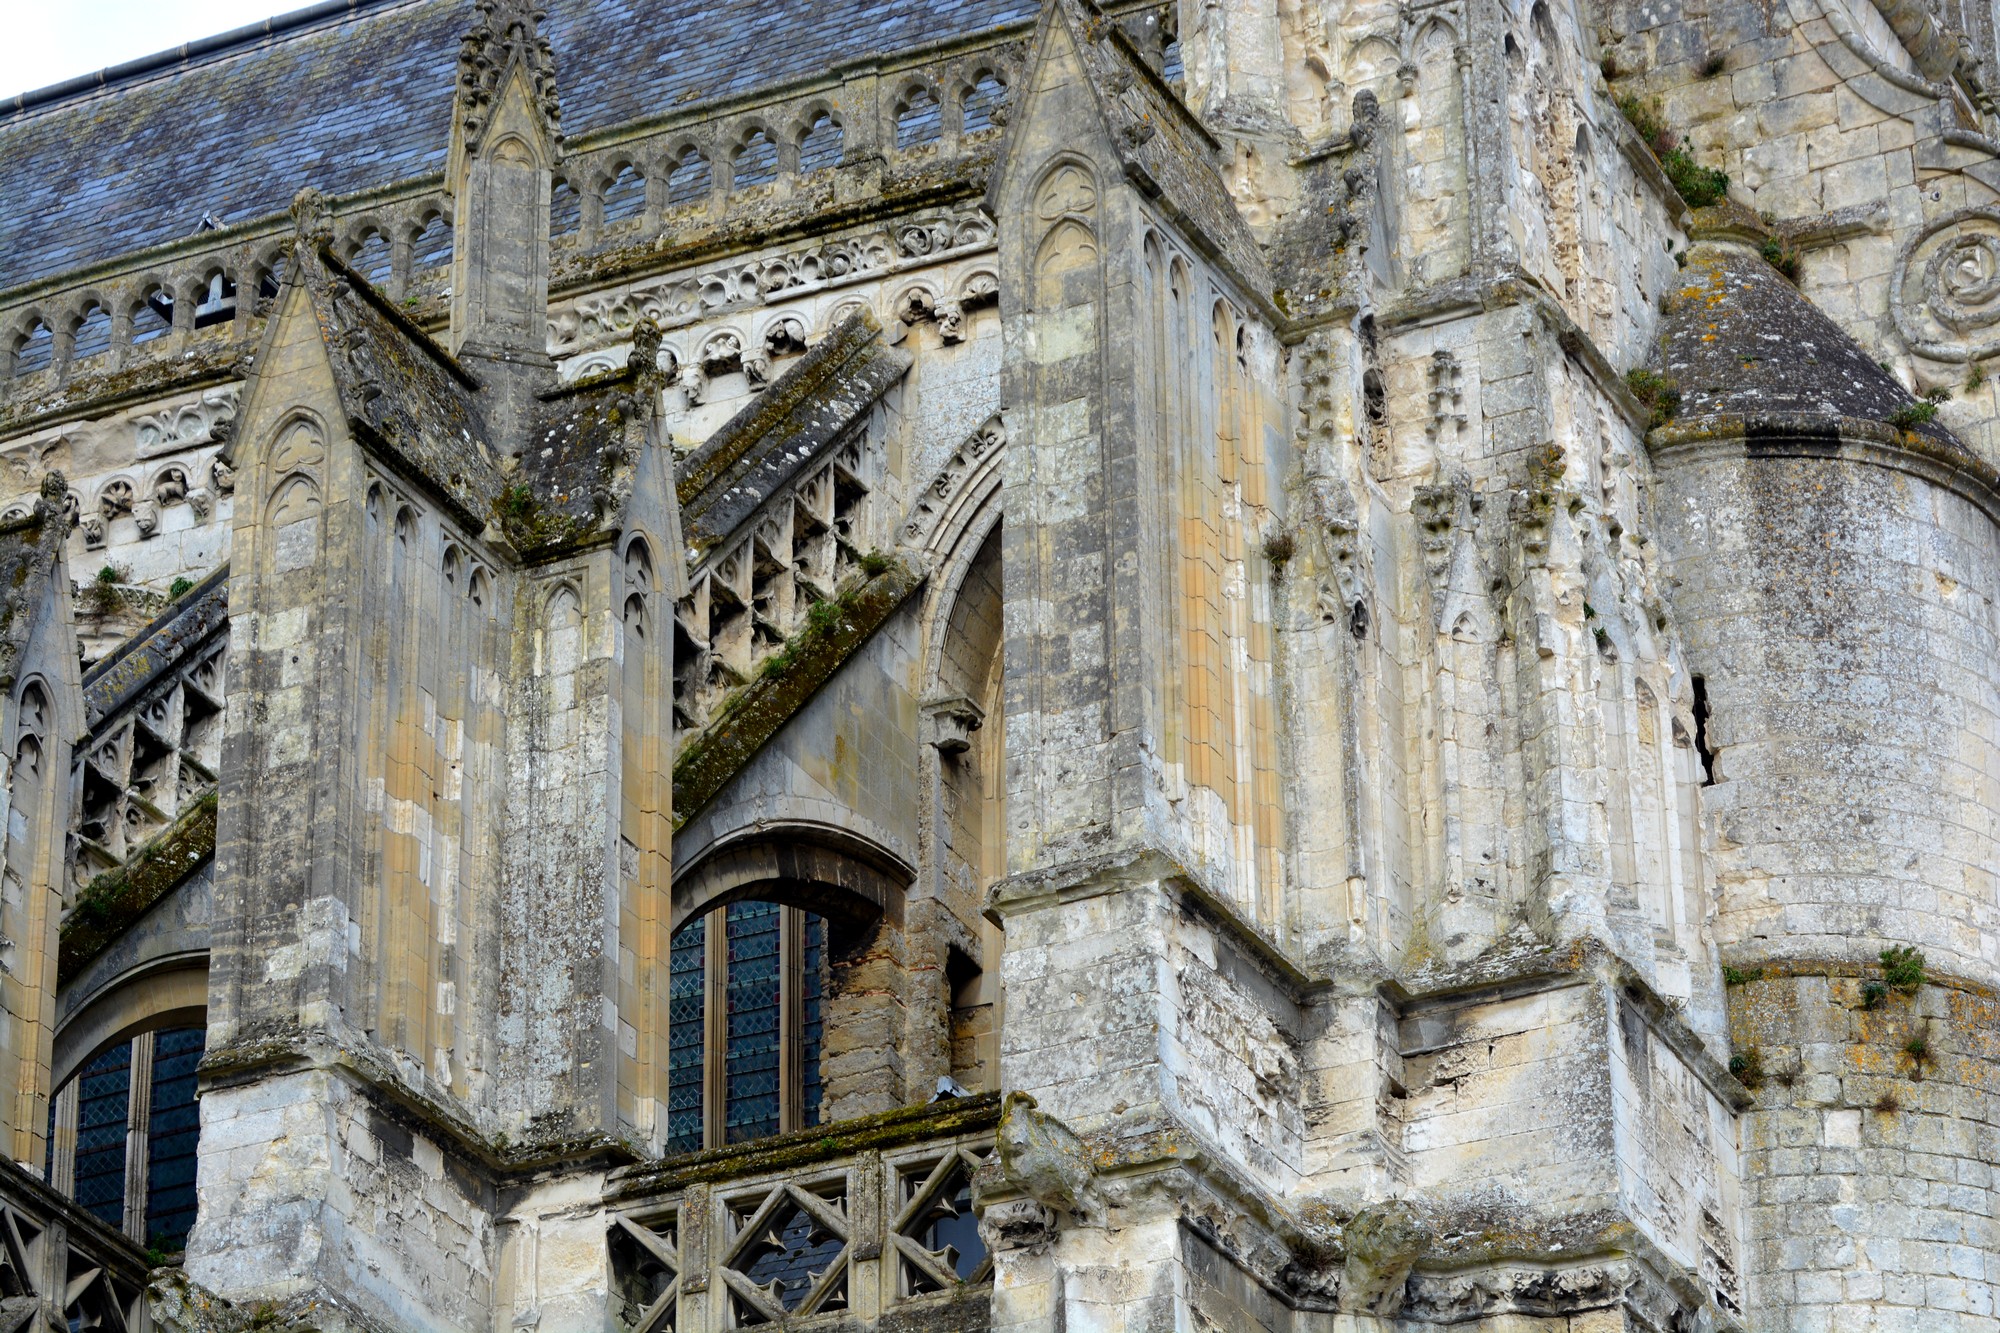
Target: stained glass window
{"x":755,"y":978}
{"x":746,"y":1015}
{"x":103,"y":1102}
{"x":172,"y":1132}
{"x":147,"y":1083}
{"x":686,"y":1040}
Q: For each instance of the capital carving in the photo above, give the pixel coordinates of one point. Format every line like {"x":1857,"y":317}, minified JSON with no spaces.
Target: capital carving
{"x":949,"y":722}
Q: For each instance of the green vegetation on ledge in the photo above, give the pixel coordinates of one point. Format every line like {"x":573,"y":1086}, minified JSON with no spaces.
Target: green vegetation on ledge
{"x":1658,"y":394}
{"x":1699,"y":186}
{"x":110,"y":903}
{"x":833,"y":629}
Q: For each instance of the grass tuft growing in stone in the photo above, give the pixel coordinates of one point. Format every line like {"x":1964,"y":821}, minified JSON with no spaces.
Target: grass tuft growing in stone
{"x":1912,"y":415}
{"x":1657,"y":393}
{"x":1783,"y":258}
{"x":1903,"y":968}
{"x":1697,"y":185}
{"x":1747,"y":1065}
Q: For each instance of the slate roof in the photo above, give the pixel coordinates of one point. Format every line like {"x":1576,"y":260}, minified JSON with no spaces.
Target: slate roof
{"x":1741,"y":341}
{"x":361,"y":96}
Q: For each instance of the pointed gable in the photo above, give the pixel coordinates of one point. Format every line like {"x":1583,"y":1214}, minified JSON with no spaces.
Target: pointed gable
{"x":1164,"y":150}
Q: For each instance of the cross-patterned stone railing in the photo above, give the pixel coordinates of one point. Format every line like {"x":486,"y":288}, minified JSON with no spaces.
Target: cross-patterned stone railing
{"x":60,"y":1267}
{"x":863,"y":1218}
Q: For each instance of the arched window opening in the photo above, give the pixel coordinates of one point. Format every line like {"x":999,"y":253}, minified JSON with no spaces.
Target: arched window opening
{"x":625,"y":196}
{"x":917,"y":118}
{"x":982,"y":99}
{"x":218,"y":301}
{"x":690,"y":180}
{"x":270,"y":280}
{"x":565,"y":210}
{"x":123,"y":1136}
{"x":432,"y":246}
{"x":153,"y":316}
{"x":756,"y":162}
{"x":1171,"y":68}
{"x":93,"y":334}
{"x":821,"y":147}
{"x":35,"y":350}
{"x":746,"y":1025}
{"x":371,"y":258}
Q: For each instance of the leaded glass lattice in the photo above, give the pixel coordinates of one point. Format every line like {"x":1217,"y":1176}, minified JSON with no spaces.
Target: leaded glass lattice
{"x":756,"y":971}
{"x":104,"y":1094}
{"x":812,"y":1024}
{"x":173,"y":1132}
{"x":687,"y":1011}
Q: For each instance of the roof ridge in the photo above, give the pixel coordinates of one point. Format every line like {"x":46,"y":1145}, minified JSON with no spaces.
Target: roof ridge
{"x":187,"y":53}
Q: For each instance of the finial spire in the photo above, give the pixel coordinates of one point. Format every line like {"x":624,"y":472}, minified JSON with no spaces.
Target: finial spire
{"x":505,"y":30}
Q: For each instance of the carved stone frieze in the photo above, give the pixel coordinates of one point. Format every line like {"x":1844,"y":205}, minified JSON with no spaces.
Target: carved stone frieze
{"x":1537,"y":1291}
{"x":185,"y":425}
{"x":935,"y":499}
{"x":609,"y":316}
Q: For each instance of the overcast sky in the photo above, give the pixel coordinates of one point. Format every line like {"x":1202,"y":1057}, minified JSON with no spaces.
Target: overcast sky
{"x":54,"y":40}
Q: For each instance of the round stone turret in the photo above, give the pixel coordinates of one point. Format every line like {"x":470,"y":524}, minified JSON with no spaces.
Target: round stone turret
{"x":1835,"y":553}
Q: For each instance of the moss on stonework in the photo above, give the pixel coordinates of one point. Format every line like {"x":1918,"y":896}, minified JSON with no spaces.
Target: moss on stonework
{"x":530,"y":527}
{"x":833,"y":630}
{"x":871,"y":1133}
{"x":109,"y":905}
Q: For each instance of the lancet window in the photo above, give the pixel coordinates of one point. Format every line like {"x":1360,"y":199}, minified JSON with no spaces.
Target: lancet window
{"x":123,"y":1134}
{"x":746,"y":1015}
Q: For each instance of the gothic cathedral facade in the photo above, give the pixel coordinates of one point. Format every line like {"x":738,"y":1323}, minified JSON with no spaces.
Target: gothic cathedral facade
{"x":1049,"y":666}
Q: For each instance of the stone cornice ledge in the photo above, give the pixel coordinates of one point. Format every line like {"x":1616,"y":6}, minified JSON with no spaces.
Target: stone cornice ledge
{"x":1091,"y":877}
{"x":1731,"y":436}
{"x":293,"y":1049}
{"x":953,"y":1117}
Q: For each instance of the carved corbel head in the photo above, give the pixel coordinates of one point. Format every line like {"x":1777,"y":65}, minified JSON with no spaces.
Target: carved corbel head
{"x":949,"y":721}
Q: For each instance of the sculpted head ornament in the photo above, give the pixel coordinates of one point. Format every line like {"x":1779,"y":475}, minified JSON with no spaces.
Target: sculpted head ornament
{"x":312,"y":219}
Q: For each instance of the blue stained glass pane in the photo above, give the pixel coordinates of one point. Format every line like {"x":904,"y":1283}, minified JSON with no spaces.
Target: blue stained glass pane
{"x":951,"y":1225}
{"x":103,"y":1102}
{"x":686,"y":1016}
{"x":173,"y":1132}
{"x":811,"y":1024}
{"x":751,"y":1053}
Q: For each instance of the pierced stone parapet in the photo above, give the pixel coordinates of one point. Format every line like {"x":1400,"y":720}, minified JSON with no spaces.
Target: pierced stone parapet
{"x":860,"y":1218}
